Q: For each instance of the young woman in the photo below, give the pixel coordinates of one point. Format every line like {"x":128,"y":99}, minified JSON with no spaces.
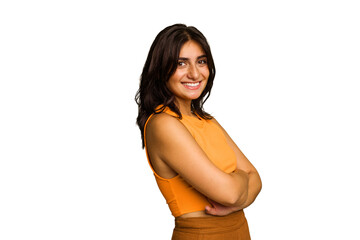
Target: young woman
{"x":204,"y":177}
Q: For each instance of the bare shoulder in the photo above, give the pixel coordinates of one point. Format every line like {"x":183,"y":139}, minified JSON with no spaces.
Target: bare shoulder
{"x":162,"y":121}
{"x":161,"y":118}
{"x":163,"y":125}
{"x":173,"y":150}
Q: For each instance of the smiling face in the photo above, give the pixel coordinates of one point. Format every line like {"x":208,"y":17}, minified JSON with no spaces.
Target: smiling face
{"x":191,"y":75}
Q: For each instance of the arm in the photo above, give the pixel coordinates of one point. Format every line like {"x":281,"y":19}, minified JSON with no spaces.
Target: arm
{"x":254,"y":181}
{"x":169,"y":142}
{"x":221,"y":210}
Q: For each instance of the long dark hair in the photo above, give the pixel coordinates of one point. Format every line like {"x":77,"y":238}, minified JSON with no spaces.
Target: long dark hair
{"x":160,"y":65}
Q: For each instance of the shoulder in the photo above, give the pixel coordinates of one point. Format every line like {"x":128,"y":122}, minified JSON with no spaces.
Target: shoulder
{"x":163,"y":125}
{"x":160,"y":120}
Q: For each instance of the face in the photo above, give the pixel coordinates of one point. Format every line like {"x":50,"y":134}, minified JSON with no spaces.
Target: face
{"x":191,"y":75}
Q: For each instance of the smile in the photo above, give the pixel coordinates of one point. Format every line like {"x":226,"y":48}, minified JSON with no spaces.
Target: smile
{"x":192,"y":85}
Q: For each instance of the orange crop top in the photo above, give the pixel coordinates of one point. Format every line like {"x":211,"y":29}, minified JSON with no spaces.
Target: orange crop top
{"x":180,"y":196}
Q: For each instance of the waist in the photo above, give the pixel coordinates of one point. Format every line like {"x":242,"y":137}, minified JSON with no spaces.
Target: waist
{"x":210,"y":224}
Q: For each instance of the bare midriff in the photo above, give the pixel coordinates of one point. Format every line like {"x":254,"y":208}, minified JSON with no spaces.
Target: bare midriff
{"x":195,"y":214}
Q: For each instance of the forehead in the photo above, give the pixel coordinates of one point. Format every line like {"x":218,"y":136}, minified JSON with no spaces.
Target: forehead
{"x":191,"y":48}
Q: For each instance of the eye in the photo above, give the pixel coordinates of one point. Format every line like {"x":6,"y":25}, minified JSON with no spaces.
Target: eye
{"x":202,"y":61}
{"x":181,"y":63}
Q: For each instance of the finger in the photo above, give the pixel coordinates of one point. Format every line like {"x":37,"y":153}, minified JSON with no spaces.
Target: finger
{"x":208,"y":208}
{"x":211,"y":211}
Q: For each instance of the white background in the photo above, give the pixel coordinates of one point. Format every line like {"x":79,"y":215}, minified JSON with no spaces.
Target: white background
{"x":286,"y":90}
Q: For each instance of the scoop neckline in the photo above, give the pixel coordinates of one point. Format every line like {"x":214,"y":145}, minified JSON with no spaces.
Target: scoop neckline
{"x":194,"y":116}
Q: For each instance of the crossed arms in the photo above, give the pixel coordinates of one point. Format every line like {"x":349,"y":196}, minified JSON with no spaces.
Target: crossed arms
{"x":228,"y":192}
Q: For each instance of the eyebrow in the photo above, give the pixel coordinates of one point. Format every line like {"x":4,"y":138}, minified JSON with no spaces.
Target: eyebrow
{"x":186,"y":59}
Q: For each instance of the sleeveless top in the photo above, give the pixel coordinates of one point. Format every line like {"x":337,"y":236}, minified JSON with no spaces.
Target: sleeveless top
{"x":179,"y":195}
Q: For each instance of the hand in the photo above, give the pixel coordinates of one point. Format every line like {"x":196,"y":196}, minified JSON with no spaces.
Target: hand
{"x":219,"y":210}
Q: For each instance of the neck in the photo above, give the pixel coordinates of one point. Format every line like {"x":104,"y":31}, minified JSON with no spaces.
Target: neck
{"x":184,"y":107}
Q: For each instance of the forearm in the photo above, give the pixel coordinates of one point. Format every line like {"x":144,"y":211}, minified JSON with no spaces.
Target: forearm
{"x":241,"y":188}
{"x":248,"y":194}
{"x":254,"y":187}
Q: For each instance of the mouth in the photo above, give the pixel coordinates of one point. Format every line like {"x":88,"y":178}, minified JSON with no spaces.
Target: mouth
{"x":192,"y":85}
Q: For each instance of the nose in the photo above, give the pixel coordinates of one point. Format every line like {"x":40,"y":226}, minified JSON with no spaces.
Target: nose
{"x":193,"y":72}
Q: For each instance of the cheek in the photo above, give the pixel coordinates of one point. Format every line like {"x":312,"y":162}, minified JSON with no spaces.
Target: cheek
{"x":174,"y":79}
{"x":206,"y":73}
{"x":171,"y":84}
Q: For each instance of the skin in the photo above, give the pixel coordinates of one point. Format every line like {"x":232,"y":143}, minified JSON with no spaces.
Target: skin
{"x":226,"y":192}
{"x":192,"y":68}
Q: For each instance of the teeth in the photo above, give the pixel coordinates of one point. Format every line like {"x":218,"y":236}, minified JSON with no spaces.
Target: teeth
{"x":192,"y":84}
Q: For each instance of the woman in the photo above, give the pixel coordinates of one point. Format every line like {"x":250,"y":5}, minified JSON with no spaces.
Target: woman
{"x":205,"y":178}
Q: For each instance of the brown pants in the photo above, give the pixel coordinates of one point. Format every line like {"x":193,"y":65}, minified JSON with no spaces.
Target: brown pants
{"x":230,"y":227}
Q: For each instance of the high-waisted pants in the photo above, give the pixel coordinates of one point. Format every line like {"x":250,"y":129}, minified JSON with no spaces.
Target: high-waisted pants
{"x":231,"y":227}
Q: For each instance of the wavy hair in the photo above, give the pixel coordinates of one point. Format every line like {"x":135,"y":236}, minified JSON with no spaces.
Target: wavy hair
{"x":160,"y":65}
